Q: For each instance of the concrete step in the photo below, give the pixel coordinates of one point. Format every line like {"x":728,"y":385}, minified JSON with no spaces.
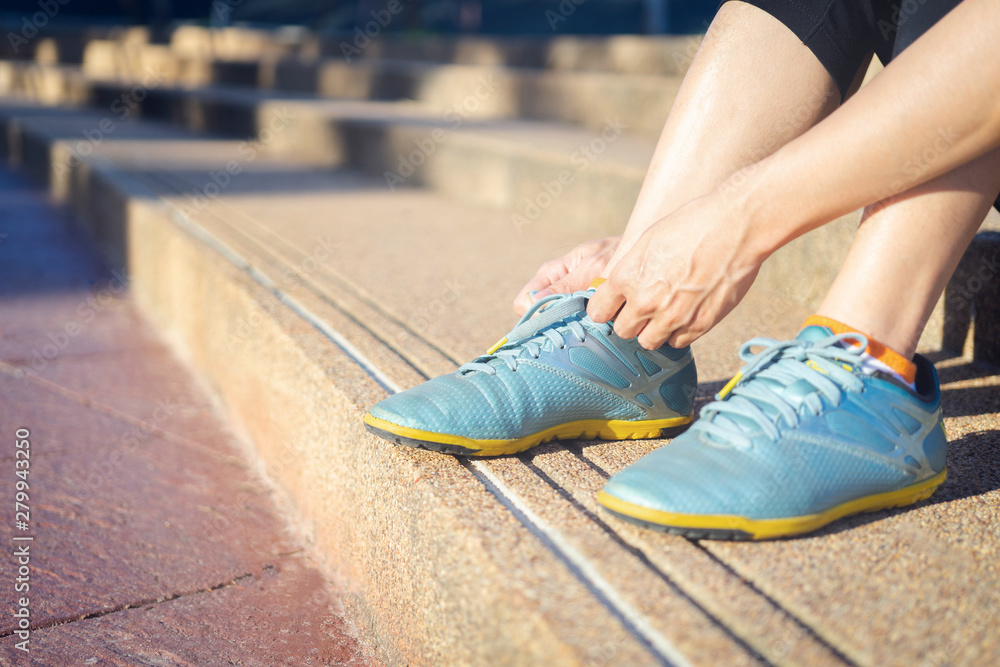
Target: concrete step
{"x":578,"y":80}
{"x":276,"y":285}
{"x":479,"y":91}
{"x":511,"y":165}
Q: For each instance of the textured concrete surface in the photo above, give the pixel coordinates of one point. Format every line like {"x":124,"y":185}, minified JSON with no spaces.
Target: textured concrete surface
{"x":154,"y":542}
{"x":411,"y":284}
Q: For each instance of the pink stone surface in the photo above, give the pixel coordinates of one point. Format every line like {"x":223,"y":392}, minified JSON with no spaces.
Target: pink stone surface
{"x":153,"y":541}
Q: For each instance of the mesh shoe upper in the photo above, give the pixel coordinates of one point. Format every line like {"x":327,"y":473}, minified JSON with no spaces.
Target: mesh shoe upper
{"x":802,"y":431}
{"x":556,"y":366}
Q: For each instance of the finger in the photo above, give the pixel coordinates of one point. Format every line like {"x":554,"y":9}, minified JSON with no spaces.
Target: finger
{"x":605,"y":303}
{"x":522,"y":302}
{"x":654,"y":334}
{"x":628,"y":324}
{"x":683,"y":338}
{"x":703,"y":316}
{"x":571,"y":283}
{"x":686,"y":332}
{"x":542,"y":280}
{"x":548,"y":273}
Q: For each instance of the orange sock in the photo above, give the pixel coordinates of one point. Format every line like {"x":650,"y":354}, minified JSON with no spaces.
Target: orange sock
{"x":879,"y":357}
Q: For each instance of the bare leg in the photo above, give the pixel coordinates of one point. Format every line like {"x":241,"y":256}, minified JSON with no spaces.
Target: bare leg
{"x":752,"y":87}
{"x":906,"y":250}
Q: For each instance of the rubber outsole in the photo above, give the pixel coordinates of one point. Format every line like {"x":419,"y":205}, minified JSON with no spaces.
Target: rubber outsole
{"x":580,"y":430}
{"x":733,"y":527}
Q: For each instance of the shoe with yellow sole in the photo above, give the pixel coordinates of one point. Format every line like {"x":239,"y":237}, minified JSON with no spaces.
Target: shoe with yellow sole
{"x":800,"y":438}
{"x":557,"y":375}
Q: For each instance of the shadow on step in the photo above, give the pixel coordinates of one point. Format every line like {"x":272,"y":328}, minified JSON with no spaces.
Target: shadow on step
{"x":39,"y":252}
{"x":255,"y":180}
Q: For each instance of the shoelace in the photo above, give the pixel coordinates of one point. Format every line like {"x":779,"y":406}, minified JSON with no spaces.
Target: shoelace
{"x":768,"y":375}
{"x":550,"y":318}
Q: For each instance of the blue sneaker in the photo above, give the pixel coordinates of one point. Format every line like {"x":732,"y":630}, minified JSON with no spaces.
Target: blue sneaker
{"x":557,"y":375}
{"x":799,"y":438}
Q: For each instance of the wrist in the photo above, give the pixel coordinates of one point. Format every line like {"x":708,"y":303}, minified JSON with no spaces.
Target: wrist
{"x":769,"y":217}
{"x":741,"y":195}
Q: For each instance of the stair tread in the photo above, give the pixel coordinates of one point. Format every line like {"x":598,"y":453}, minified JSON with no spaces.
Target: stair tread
{"x":561,"y":139}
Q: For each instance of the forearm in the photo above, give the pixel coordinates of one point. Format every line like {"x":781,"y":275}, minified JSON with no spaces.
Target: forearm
{"x":934,"y":108}
{"x":735,"y":107}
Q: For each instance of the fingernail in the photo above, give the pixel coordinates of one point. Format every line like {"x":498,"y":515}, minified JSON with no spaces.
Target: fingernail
{"x":541,"y":293}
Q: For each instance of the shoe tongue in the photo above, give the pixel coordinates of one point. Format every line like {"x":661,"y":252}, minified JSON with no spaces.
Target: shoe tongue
{"x":814,"y":333}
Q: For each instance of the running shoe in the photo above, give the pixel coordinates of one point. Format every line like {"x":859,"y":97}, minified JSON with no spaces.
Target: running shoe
{"x":799,"y":438}
{"x":556,"y":375}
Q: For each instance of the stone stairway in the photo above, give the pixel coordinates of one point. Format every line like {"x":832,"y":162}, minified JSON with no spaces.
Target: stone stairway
{"x":314,"y":233}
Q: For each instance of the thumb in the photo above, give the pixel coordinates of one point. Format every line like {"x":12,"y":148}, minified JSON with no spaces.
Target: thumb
{"x":527,"y":299}
{"x":574,"y":281}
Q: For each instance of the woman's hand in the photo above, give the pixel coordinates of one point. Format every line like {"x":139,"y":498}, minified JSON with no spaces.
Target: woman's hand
{"x":572,"y":272}
{"x":683,"y":275}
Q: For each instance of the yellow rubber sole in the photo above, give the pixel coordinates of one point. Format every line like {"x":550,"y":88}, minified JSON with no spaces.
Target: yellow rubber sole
{"x":728,"y":526}
{"x":585,"y":429}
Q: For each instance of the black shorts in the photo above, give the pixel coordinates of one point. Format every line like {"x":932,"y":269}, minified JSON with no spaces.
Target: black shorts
{"x":842,"y":33}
